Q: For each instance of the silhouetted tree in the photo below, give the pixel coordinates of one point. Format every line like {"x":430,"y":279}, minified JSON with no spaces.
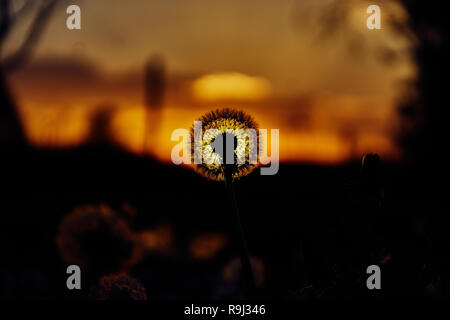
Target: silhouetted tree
{"x":425,"y":112}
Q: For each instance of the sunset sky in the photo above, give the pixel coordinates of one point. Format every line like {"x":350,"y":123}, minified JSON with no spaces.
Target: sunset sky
{"x":309,"y":68}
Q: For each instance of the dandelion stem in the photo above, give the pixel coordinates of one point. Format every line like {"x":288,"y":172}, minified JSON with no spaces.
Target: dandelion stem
{"x":244,"y":256}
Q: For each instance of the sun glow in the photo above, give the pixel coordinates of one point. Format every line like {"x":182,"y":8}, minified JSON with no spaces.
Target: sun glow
{"x":230,"y":85}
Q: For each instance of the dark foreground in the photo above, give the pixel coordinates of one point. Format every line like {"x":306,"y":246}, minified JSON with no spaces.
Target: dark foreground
{"x":312,"y":230}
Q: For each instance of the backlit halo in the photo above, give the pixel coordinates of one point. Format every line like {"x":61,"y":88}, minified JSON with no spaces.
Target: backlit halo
{"x":226,"y":122}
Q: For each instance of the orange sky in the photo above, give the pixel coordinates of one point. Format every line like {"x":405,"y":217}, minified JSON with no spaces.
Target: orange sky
{"x":330,"y":88}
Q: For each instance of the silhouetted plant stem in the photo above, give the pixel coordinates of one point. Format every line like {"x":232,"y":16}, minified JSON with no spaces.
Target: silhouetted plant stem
{"x":243,"y":250}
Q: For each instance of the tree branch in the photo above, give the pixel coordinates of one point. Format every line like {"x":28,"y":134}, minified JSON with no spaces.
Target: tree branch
{"x":21,"y":56}
{"x":5,"y":20}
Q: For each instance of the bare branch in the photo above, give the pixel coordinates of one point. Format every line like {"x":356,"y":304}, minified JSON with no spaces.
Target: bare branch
{"x":8,"y":19}
{"x":21,"y":56}
{"x":5,"y":19}
{"x":24,"y":9}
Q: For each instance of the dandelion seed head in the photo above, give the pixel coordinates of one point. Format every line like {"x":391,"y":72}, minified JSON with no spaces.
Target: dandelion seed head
{"x":226,"y":124}
{"x":95,"y":238}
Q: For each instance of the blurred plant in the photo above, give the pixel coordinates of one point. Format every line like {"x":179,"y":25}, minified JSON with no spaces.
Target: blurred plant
{"x":155,"y":82}
{"x":346,"y":20}
{"x":158,"y":240}
{"x":94,"y":237}
{"x":150,"y":243}
{"x":232,"y":275}
{"x":207,"y":245}
{"x":370,"y":180}
{"x":367,"y":192}
{"x":155,"y":87}
{"x":118,"y":287}
{"x":101,"y":132}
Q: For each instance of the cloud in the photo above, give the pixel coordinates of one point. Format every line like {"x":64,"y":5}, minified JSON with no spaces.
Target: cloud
{"x":64,"y":80}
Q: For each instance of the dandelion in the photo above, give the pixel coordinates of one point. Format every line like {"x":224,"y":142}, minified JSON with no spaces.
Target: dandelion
{"x":220,"y":126}
{"x":221,"y":129}
{"x":96,"y":238}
